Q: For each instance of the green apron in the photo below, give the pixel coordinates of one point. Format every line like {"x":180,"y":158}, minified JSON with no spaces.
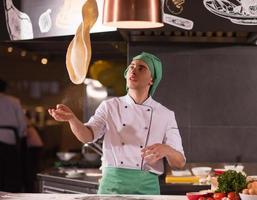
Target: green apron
{"x":128,"y":181}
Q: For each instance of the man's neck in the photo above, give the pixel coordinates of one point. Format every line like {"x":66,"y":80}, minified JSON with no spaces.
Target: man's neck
{"x":137,"y":96}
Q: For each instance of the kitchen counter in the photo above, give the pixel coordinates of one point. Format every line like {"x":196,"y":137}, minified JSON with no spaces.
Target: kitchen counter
{"x":53,"y":181}
{"x":36,"y":196}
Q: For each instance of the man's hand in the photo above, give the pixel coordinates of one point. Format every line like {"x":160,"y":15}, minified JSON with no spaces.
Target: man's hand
{"x":155,"y":152}
{"x":62,"y":113}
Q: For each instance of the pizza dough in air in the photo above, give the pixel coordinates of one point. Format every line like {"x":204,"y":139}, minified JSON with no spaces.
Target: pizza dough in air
{"x":78,"y":55}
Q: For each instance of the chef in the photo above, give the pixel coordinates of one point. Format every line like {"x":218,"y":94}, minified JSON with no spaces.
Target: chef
{"x":138,"y":132}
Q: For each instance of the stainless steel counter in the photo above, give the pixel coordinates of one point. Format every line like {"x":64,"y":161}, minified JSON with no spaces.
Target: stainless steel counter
{"x":56,"y":181}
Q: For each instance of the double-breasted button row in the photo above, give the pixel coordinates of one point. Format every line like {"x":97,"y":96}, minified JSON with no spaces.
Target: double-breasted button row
{"x":123,"y":143}
{"x":148,"y":109}
{"x":146,"y":128}
{"x":121,"y":162}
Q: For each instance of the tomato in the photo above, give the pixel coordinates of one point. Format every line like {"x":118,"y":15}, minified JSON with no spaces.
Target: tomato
{"x":201,"y":198}
{"x":210,"y":198}
{"x":237,"y":197}
{"x":233,"y":196}
{"x":219,"y":195}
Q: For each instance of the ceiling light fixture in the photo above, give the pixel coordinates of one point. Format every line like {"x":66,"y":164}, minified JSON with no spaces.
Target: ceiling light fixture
{"x":10,"y":49}
{"x":23,"y":53}
{"x":44,"y":61}
{"x":132,"y":14}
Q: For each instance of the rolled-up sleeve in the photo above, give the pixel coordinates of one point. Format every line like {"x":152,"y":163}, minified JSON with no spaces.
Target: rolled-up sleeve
{"x":97,"y":123}
{"x":172,"y":136}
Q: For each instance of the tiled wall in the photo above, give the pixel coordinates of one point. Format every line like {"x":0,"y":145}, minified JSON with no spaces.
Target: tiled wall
{"x":213,"y":91}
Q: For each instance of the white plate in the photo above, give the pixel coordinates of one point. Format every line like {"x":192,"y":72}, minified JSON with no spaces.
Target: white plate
{"x":247,"y":196}
{"x":201,"y":171}
{"x":226,"y":9}
{"x":66,"y":156}
{"x":74,"y":173}
{"x":181,"y":172}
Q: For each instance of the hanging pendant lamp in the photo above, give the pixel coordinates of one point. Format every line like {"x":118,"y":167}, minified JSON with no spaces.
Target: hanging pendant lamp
{"x":132,"y":14}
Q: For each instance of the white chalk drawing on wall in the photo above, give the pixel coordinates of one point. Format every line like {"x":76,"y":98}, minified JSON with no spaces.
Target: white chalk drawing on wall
{"x":18,"y":23}
{"x":45,"y":22}
{"x":175,"y":7}
{"x":243,"y":12}
{"x":69,"y":16}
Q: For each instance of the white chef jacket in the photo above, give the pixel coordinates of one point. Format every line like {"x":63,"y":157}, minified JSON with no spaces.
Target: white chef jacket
{"x":128,"y":127}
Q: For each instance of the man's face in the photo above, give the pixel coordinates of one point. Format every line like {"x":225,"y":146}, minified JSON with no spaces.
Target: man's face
{"x":138,"y":75}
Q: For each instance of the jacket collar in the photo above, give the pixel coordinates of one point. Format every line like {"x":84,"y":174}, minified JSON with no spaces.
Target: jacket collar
{"x":130,"y":100}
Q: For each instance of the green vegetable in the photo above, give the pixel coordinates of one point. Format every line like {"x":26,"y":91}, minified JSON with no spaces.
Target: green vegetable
{"x":231,"y":181}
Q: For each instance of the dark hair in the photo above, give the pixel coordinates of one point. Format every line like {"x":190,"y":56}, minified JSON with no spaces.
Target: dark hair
{"x":3,"y":85}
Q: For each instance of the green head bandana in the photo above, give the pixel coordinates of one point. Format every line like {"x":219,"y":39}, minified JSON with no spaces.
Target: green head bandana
{"x":155,"y":66}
